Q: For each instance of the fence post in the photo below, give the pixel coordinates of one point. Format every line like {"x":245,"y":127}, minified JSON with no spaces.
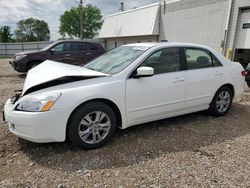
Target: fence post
{"x":5,"y":50}
{"x":22,"y":47}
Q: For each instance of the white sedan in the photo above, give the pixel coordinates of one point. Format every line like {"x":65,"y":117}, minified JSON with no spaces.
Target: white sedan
{"x":129,"y":85}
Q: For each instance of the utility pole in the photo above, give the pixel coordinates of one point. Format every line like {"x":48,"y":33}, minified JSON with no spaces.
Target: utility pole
{"x":81,"y":20}
{"x":122,"y":7}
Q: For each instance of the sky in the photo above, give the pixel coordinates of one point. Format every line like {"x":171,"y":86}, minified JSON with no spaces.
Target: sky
{"x":11,"y":11}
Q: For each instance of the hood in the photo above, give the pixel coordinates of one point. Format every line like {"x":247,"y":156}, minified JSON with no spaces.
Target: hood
{"x":26,"y":52}
{"x":51,"y":73}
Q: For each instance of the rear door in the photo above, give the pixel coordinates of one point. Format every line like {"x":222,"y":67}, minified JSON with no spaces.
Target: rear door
{"x":95,"y":50}
{"x":79,"y":53}
{"x":205,"y":75}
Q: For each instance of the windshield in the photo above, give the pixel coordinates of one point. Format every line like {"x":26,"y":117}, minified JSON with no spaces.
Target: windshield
{"x":117,"y":59}
{"x":48,"y":47}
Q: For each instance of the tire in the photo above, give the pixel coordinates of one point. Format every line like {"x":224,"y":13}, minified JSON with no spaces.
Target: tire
{"x":248,"y":84}
{"x":221,"y":102}
{"x":32,"y":65}
{"x":92,"y":125}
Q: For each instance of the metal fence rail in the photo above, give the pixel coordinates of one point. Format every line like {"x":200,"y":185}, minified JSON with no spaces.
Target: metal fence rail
{"x":10,"y":49}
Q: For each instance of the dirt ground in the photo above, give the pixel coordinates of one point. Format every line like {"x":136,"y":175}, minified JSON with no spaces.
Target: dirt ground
{"x":194,"y":150}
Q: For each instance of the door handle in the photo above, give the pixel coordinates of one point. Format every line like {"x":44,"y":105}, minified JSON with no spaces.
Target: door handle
{"x":88,"y":53}
{"x":67,"y":55}
{"x":176,"y":80}
{"x":218,"y":74}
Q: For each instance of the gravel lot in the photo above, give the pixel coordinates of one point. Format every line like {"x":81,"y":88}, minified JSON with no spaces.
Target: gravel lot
{"x":194,"y":150}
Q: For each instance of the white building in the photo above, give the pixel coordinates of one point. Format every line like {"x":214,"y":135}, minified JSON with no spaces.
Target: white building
{"x":136,"y":25}
{"x":221,"y":24}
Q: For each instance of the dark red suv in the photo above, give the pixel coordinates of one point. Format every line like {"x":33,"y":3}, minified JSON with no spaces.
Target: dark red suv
{"x":70,"y":51}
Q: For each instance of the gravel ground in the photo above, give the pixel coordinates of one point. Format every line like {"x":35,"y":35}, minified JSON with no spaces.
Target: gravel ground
{"x":194,"y":150}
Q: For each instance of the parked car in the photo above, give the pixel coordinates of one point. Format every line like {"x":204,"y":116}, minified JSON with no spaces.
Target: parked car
{"x":67,"y":51}
{"x":248,"y":74}
{"x":130,"y":85}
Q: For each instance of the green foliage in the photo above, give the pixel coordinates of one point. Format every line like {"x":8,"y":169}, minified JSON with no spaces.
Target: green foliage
{"x":32,"y":29}
{"x":70,"y":22}
{"x":5,"y":34}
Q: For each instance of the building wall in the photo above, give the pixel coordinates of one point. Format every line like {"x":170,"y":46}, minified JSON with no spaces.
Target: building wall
{"x":115,"y":42}
{"x":237,"y":6}
{"x":197,"y":21}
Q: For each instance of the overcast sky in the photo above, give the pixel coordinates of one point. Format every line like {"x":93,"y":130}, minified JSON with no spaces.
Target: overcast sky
{"x":11,"y":11}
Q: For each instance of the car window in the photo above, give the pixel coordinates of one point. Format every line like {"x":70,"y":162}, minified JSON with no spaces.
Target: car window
{"x":78,"y":46}
{"x":62,"y":47}
{"x":117,"y":59}
{"x":216,"y":62}
{"x":164,"y":61}
{"x":198,"y":58}
{"x":92,"y":46}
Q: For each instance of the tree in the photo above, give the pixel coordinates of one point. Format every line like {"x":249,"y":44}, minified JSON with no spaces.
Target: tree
{"x":32,"y":29}
{"x":5,"y":34}
{"x":70,"y":22}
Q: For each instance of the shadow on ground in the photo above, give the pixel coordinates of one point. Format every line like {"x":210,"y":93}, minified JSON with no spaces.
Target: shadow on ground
{"x":144,"y":142}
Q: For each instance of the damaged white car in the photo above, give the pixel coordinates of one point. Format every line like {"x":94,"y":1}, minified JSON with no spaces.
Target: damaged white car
{"x":129,"y":85}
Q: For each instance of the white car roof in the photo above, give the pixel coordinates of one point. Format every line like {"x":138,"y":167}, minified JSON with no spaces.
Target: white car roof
{"x":166,"y":44}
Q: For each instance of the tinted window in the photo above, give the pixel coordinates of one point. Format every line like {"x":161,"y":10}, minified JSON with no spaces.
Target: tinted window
{"x":198,"y":58}
{"x":164,"y":61}
{"x":92,"y":46}
{"x":78,"y":46}
{"x":62,"y":47}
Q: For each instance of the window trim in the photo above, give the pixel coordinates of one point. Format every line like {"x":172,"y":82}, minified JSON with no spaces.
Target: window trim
{"x":182,"y":63}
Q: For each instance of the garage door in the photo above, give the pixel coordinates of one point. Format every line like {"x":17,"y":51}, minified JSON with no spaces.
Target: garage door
{"x":243,"y":36}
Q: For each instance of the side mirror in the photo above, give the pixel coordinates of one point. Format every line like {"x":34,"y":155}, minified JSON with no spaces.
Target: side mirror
{"x":144,"y":72}
{"x":52,"y":51}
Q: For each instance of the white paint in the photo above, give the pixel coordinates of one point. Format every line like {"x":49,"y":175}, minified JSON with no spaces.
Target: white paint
{"x":138,"y":100}
{"x":135,"y":22}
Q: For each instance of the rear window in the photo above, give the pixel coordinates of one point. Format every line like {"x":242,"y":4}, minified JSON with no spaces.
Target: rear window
{"x":198,"y":58}
{"x":78,"y":46}
{"x":92,"y":46}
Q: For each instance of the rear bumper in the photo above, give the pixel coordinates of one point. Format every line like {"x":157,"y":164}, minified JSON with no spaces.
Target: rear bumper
{"x":39,"y":127}
{"x":18,"y":66}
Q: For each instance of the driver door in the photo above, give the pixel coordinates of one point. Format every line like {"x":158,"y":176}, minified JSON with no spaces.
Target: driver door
{"x":158,"y":96}
{"x":61,"y":53}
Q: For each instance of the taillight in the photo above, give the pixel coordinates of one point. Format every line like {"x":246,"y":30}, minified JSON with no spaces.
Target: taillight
{"x":243,"y":73}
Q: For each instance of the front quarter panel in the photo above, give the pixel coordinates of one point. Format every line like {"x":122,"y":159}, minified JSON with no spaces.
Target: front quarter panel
{"x":75,"y":94}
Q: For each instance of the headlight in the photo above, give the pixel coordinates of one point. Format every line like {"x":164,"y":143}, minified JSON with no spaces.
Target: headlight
{"x":40,"y":103}
{"x":18,"y":57}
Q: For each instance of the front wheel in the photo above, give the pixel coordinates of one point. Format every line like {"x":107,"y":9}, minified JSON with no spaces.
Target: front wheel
{"x":92,"y":125}
{"x":32,"y":65}
{"x":222,"y":102}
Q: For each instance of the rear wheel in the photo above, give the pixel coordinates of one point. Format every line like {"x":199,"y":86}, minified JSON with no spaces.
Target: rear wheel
{"x":248,"y":83}
{"x":222,"y":102}
{"x":92,"y":125}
